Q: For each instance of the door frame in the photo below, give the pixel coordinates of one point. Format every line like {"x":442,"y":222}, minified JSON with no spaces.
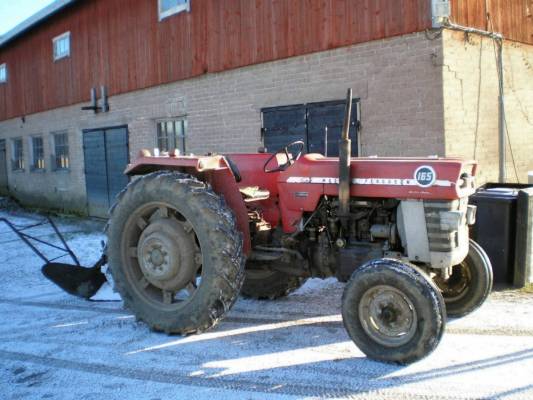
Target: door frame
{"x":6,"y":165}
{"x":104,"y":129}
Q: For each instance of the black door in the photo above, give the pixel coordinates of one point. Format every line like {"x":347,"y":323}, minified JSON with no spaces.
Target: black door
{"x":329,"y":115}
{"x":308,"y":122}
{"x":284,"y":125}
{"x":3,"y":167}
{"x":106,"y":157}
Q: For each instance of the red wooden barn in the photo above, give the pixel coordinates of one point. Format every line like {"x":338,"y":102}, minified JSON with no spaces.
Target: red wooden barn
{"x":85,"y":84}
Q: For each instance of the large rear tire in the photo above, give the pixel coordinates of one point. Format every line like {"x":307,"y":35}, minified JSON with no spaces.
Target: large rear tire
{"x":470,"y":283}
{"x":174,"y":252}
{"x":393,"y":311}
{"x":267,"y":284}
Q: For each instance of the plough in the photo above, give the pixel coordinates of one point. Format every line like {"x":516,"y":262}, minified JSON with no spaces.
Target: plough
{"x":75,"y":279}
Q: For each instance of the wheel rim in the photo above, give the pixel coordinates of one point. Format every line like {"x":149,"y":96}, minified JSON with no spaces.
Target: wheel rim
{"x":162,"y":256}
{"x":387,"y":316}
{"x":456,"y":286}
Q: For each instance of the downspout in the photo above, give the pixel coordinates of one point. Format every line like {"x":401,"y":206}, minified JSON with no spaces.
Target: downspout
{"x":501,"y":115}
{"x":498,"y":38}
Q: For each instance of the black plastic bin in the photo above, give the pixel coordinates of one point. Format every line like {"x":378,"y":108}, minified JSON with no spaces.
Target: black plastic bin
{"x":495,"y":228}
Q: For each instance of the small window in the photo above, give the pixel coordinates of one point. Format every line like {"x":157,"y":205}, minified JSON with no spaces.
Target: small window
{"x":3,"y":73}
{"x":60,"y":158}
{"x":37,"y":151}
{"x":171,"y":135}
{"x":170,"y":7}
{"x":17,"y":161}
{"x":61,"y":46}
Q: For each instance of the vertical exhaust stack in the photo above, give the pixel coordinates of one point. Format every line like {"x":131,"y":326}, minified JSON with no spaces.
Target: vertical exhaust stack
{"x":345,"y":153}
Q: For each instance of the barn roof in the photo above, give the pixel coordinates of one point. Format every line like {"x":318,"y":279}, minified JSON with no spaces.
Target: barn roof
{"x":36,"y":19}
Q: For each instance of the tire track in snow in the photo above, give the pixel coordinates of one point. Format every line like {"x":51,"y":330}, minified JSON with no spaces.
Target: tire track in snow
{"x":495,"y":331}
{"x":243,"y":385}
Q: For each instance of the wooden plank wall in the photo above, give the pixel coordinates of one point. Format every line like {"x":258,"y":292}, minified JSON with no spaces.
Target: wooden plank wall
{"x":513,"y":18}
{"x":121,"y":43}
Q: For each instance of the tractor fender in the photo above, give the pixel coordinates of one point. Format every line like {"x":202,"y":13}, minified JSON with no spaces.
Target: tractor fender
{"x":223,"y":183}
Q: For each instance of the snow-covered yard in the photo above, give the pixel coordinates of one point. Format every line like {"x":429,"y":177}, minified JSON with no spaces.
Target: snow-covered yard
{"x":54,"y":346}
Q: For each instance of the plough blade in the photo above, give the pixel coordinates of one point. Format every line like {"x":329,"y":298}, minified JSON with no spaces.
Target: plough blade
{"x":76,"y":280}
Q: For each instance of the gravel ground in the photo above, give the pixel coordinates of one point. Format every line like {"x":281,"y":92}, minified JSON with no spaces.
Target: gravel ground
{"x":54,"y":346}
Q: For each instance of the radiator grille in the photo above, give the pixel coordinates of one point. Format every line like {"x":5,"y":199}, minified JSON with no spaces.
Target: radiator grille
{"x":442,"y":240}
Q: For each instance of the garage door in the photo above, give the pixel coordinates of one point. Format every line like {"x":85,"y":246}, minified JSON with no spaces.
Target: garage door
{"x":106,"y":157}
{"x":308,"y":122}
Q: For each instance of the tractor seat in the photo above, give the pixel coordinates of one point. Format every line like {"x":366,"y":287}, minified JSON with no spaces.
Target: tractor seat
{"x":254,"y":193}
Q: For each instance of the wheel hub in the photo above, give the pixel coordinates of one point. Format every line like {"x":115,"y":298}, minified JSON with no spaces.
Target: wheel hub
{"x":387,"y":315}
{"x":157,"y":261}
{"x":166,"y":254}
{"x":456,"y":286}
{"x":157,"y":257}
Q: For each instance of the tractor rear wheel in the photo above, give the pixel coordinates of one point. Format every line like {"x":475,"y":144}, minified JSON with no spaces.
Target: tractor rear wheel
{"x":469,"y":284}
{"x":267,"y":284}
{"x":393,"y":311}
{"x":174,"y":252}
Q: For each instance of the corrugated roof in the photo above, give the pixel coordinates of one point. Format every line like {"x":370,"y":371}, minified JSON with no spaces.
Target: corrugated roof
{"x":34,"y":20}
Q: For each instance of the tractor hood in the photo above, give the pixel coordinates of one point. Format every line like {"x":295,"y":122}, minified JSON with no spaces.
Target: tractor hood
{"x":423,"y":178}
{"x":387,"y":177}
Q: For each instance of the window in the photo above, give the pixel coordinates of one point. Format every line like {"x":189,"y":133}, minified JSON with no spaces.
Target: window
{"x":171,"y":135}
{"x":17,"y":161}
{"x":61,"y":46}
{"x":37,"y":151}
{"x":3,"y":73}
{"x":170,"y":7}
{"x":60,"y":158}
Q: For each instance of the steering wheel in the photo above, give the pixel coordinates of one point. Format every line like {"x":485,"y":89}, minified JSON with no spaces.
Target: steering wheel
{"x":299,"y":147}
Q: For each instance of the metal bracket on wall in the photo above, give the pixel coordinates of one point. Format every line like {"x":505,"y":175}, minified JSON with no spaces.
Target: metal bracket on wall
{"x":103,"y":98}
{"x":94,"y":102}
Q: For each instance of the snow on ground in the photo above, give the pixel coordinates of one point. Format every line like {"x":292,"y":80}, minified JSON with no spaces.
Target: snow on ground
{"x":54,"y":346}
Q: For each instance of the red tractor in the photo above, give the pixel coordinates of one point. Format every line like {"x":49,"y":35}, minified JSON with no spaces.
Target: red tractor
{"x":190,"y":233}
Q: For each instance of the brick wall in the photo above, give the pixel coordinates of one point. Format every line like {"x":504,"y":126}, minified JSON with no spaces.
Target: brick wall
{"x":397,"y":79}
{"x":470,"y":87}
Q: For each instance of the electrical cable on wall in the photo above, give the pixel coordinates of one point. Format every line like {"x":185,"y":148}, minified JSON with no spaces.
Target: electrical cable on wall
{"x":502,"y":84}
{"x":497,"y":39}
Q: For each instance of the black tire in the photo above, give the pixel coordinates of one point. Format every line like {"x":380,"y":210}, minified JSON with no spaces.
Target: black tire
{"x":195,"y":209}
{"x":267,"y":284}
{"x":470,"y":283}
{"x":401,"y":293}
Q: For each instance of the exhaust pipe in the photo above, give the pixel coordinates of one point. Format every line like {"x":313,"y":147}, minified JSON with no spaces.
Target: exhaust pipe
{"x":345,"y":153}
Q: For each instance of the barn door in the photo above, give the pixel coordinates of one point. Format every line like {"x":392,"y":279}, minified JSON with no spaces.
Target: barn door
{"x":3,"y":167}
{"x":284,"y":125}
{"x":308,"y":122}
{"x":331,"y":115}
{"x":106,"y":157}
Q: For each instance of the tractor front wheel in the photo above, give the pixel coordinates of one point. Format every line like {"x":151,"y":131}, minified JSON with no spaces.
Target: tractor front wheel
{"x":174,"y":252}
{"x":393,"y":311}
{"x":469,"y":284}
